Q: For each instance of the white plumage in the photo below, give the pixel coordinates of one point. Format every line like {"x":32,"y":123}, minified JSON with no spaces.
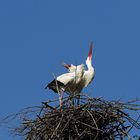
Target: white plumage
{"x":67,"y":82}
{"x":88,"y":75}
{"x":74,"y":81}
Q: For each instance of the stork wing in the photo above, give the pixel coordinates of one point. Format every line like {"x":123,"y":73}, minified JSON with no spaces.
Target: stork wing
{"x":66,"y":78}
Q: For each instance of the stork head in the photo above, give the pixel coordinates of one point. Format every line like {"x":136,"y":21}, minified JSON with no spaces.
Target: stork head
{"x":89,"y":58}
{"x":70,"y":67}
{"x":81,"y":67}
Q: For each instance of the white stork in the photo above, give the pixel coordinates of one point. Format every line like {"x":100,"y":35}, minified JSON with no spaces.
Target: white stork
{"x":88,"y":75}
{"x":67,"y":82}
{"x":74,"y":81}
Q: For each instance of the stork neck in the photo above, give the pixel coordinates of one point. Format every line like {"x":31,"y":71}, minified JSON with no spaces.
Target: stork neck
{"x":89,"y":65}
{"x":90,"y":68}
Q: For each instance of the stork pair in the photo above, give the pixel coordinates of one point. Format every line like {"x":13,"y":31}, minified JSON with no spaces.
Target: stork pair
{"x":75,"y":80}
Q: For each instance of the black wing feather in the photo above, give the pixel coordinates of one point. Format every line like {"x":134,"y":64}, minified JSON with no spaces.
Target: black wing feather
{"x":55,"y":85}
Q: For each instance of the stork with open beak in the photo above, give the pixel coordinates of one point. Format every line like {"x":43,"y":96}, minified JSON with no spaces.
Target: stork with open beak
{"x":88,"y":75}
{"x":74,"y":81}
{"x":67,"y":82}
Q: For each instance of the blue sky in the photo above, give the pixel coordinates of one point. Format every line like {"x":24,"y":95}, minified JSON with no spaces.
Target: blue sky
{"x":37,"y":36}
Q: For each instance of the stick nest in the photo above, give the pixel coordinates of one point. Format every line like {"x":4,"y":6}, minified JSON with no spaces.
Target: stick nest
{"x":92,"y":119}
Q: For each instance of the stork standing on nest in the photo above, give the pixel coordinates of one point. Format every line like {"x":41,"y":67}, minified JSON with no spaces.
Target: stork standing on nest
{"x":74,"y":81}
{"x":88,"y":75}
{"x":66,"y":82}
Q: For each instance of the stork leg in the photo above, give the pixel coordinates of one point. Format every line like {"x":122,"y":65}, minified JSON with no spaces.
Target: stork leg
{"x":78,"y":98}
{"x":73,"y":100}
{"x":61,"y":97}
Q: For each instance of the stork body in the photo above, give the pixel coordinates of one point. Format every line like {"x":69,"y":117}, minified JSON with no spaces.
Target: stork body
{"x":88,"y":75}
{"x":67,"y":81}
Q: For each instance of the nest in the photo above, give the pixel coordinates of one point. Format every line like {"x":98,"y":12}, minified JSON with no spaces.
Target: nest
{"x":91,"y":119}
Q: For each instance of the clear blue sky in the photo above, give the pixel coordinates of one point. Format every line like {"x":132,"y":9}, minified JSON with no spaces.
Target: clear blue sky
{"x":37,"y":36}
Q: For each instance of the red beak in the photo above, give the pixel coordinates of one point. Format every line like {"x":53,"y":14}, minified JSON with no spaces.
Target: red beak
{"x":90,"y":51}
{"x":66,"y":65}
